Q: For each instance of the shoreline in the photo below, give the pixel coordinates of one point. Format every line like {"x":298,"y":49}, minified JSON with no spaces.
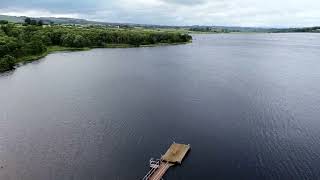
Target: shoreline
{"x":53,"y":49}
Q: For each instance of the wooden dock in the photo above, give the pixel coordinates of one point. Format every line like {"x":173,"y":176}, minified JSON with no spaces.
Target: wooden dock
{"x":162,"y":169}
{"x":173,"y":156}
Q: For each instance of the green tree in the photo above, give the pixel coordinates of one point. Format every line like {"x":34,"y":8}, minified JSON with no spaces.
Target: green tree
{"x":7,"y":63}
{"x":8,"y":46}
{"x":33,"y":22}
{"x":79,"y":41}
{"x":2,"y":33}
{"x":27,"y":20}
{"x":67,"y":40}
{"x":40,"y":23}
{"x":3,"y":22}
{"x":35,"y":47}
{"x":7,"y":28}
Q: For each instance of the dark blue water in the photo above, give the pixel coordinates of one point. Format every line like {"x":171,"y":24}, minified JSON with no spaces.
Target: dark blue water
{"x":249,"y":104}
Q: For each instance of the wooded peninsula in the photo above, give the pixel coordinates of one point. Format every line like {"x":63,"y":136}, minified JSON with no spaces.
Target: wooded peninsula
{"x":32,"y":40}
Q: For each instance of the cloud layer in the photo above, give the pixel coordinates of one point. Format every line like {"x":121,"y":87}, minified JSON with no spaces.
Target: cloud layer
{"x":271,"y":13}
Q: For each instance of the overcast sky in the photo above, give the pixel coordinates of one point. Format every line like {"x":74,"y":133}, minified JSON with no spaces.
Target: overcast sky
{"x":262,"y":13}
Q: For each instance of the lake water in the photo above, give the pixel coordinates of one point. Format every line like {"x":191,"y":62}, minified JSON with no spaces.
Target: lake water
{"x":249,"y":105}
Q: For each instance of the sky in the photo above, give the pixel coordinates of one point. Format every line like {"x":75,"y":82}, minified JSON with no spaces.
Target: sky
{"x":249,"y":13}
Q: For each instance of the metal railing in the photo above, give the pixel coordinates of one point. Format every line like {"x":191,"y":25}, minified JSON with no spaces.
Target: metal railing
{"x":154,"y":165}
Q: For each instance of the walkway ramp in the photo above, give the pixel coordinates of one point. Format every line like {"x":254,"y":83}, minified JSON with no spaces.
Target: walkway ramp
{"x":173,"y":156}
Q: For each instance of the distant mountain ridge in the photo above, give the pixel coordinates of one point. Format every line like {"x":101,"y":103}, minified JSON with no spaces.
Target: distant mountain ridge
{"x":20,"y":19}
{"x":12,"y":18}
{"x":48,"y":20}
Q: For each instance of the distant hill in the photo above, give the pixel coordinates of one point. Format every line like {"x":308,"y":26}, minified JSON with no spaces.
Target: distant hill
{"x":48,"y":20}
{"x":19,"y":19}
{"x":12,"y":18}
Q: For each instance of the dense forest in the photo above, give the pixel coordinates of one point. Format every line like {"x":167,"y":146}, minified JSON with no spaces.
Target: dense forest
{"x":19,"y":42}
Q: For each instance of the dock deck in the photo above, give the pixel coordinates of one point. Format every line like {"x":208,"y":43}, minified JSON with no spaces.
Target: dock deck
{"x":176,"y":153}
{"x":173,"y":156}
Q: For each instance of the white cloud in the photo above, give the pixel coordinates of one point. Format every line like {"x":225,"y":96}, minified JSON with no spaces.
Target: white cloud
{"x":177,"y":12}
{"x":36,"y":13}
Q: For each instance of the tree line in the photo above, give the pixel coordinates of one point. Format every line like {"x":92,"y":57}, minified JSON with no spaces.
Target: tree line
{"x":29,"y":21}
{"x":211,"y":29}
{"x":33,"y":38}
{"x":315,"y":29}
